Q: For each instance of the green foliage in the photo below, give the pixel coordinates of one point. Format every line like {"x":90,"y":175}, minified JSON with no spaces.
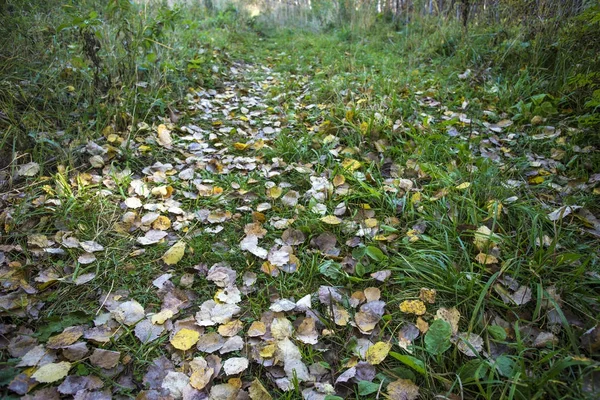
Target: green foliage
{"x":437,"y":338}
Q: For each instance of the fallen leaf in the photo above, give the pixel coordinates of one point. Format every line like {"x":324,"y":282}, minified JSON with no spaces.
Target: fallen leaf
{"x":470,"y":344}
{"x":258,"y":328}
{"x":160,"y":317}
{"x":235,"y":365}
{"x":331,"y":220}
{"x":52,"y":372}
{"x":377,"y":353}
{"x":133,"y":202}
{"x":147,"y":331}
{"x":129,"y":312}
{"x":105,"y":358}
{"x":66,"y":338}
{"x":174,"y":254}
{"x":185,"y":339}
{"x":307,"y":331}
{"x":403,"y":389}
{"x":416,"y":307}
{"x":450,"y":315}
{"x":562,"y":212}
{"x":427,"y":295}
{"x":161,"y":223}
{"x":258,"y":392}
{"x":174,"y":383}
{"x":29,"y":169}
{"x":164,"y":136}
{"x":231,"y":328}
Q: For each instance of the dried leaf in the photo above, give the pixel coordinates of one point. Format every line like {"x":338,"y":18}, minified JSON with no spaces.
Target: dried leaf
{"x":378,"y":352}
{"x":129,"y":312}
{"x":105,"y":358}
{"x":331,"y":220}
{"x":185,"y":339}
{"x":29,"y":169}
{"x":67,"y":337}
{"x":403,"y":389}
{"x":164,"y":136}
{"x":416,"y":307}
{"x":52,"y":372}
{"x":235,"y":365}
{"x":258,"y":392}
{"x":174,"y":254}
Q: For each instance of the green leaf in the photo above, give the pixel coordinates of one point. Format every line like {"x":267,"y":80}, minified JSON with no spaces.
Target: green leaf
{"x":365,"y":388}
{"x":497,"y":332}
{"x":505,"y":366}
{"x":359,"y":252}
{"x":331,"y":269}
{"x":437,"y":338}
{"x":375,"y":253}
{"x":404,"y":373}
{"x":330,"y":397}
{"x":8,"y":374}
{"x":410,"y":361}
{"x":360,"y":269}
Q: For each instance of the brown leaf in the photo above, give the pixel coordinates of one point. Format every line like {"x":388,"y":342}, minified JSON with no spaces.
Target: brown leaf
{"x":105,"y":358}
{"x":69,"y":336}
{"x":403,"y":389}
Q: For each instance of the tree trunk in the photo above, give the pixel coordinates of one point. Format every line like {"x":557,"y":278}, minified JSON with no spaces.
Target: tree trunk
{"x":465,"y":14}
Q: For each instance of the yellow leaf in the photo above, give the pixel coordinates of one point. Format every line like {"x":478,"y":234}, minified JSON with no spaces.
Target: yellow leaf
{"x":338,"y":180}
{"x":464,"y":185}
{"x":331,"y":220}
{"x":370,"y":222}
{"x":422,"y":325}
{"x":536,"y":180}
{"x":482,"y":237}
{"x":269,"y":269}
{"x":52,"y":372}
{"x":483,"y":258}
{"x":162,"y":191}
{"x":258,"y":392}
{"x":274,"y":192}
{"x":231,"y":328}
{"x":162,"y":223}
{"x":351,"y":164}
{"x":200,"y":378}
{"x":241,"y":146}
{"x":427,"y":295}
{"x":416,"y":197}
{"x":258,"y":328}
{"x":416,"y":307}
{"x":268,"y":351}
{"x":164,"y":136}
{"x":377,"y":353}
{"x":451,"y":316}
{"x":185,"y":339}
{"x":66,"y":338}
{"x":161,"y":317}
{"x":174,"y":254}
{"x":349,"y":115}
{"x":259,"y":144}
{"x":364,"y":126}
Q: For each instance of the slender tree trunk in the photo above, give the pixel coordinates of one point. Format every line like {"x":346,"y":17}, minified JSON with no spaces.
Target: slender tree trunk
{"x":465,"y":14}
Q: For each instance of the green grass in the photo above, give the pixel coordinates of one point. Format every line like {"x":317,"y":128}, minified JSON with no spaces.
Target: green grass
{"x":367,"y":92}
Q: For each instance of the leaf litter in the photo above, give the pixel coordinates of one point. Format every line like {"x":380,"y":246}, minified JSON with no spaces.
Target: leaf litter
{"x":212,"y":344}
